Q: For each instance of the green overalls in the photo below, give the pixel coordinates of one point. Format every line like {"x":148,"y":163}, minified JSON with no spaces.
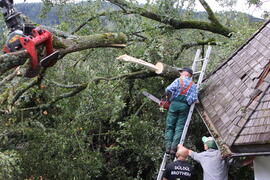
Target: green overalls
{"x":176,"y":119}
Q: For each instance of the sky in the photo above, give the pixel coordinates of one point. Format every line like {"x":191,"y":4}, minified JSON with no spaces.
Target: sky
{"x":241,"y":6}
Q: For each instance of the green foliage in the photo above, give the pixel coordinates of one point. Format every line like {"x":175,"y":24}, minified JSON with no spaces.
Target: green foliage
{"x":109,"y":130}
{"x":61,"y":154}
{"x":9,"y":165}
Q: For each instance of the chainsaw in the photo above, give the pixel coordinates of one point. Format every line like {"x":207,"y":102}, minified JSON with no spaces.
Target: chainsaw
{"x":28,"y":37}
{"x":164,"y":103}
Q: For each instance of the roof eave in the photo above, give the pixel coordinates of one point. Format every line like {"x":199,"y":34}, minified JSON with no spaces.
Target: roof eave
{"x":225,"y":150}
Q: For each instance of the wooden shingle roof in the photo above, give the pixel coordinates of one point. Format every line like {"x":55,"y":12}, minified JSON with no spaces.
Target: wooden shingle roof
{"x":236,"y":99}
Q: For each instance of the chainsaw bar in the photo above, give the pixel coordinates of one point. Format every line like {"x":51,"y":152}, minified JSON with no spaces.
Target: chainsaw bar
{"x":150,"y":96}
{"x":50,"y":60}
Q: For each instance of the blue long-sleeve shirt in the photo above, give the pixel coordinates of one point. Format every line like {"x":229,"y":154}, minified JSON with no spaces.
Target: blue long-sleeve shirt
{"x":174,"y":90}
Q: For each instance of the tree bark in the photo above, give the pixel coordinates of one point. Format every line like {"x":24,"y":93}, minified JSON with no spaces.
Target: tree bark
{"x":66,"y":46}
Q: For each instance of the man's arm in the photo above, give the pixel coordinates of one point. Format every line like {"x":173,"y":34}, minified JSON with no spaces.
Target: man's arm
{"x":164,"y":178}
{"x":192,"y":154}
{"x":173,"y":86}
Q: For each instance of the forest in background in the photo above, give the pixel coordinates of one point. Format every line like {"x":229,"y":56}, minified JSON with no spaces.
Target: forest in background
{"x":91,"y":120}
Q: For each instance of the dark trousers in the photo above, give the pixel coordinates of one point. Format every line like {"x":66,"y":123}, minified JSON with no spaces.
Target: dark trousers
{"x":175,"y":121}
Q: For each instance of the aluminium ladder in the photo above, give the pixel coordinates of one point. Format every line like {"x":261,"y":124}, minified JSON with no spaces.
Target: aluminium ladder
{"x":184,"y":133}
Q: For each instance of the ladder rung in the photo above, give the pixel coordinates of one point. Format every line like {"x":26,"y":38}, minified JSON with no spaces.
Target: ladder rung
{"x":199,"y":60}
{"x":198,"y":72}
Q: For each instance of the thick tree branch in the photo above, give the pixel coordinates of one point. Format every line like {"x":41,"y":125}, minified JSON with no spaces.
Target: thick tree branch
{"x":62,"y":96}
{"x":159,"y":68}
{"x":211,"y":15}
{"x":3,"y":111}
{"x":31,"y":84}
{"x":133,"y":75}
{"x":63,"y":85}
{"x":78,"y":88}
{"x":212,"y":26}
{"x":23,"y":90}
{"x":199,"y":43}
{"x":10,"y":77}
{"x":185,"y":46}
{"x":210,"y":41}
{"x":66,"y":46}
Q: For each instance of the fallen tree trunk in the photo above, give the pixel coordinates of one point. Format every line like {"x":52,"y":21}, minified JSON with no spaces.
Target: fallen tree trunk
{"x":159,"y":68}
{"x":66,"y":46}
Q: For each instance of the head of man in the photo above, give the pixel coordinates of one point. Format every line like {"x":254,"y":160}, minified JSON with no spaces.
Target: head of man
{"x":182,"y":153}
{"x":185,"y":72}
{"x":209,"y":143}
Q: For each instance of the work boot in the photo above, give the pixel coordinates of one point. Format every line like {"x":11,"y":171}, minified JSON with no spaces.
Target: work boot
{"x":172,"y":152}
{"x":167,"y":151}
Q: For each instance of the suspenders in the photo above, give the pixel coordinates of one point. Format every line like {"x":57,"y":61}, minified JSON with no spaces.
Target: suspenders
{"x":182,"y":90}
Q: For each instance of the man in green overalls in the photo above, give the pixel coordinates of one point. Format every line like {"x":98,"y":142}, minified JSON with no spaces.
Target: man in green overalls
{"x":182,"y":92}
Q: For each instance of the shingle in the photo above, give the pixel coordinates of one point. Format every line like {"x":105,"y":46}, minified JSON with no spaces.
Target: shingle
{"x":245,"y":131}
{"x":242,"y":122}
{"x":260,"y":47}
{"x":205,"y":102}
{"x":264,"y":86}
{"x":260,"y":37}
{"x":267,"y":78}
{"x":265,"y":105}
{"x":253,"y":75}
{"x":230,"y":62}
{"x":260,"y":114}
{"x":222,"y":128}
{"x":239,"y":140}
{"x":267,"y":120}
{"x":252,"y":51}
{"x":253,"y":138}
{"x":210,"y":110}
{"x":253,"y":105}
{"x":246,"y":139}
{"x":265,"y":31}
{"x":266,"y":97}
{"x":255,"y":43}
{"x":250,"y":123}
{"x":265,"y":60}
{"x":266,"y":113}
{"x":263,"y":40}
{"x":245,"y":102}
{"x":264,"y":137}
{"x":253,"y":62}
{"x":232,"y":88}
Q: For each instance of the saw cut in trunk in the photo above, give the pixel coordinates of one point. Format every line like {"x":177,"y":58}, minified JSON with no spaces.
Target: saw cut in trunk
{"x":159,"y":68}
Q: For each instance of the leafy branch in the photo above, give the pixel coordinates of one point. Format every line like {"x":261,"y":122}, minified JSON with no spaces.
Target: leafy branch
{"x":213,"y":26}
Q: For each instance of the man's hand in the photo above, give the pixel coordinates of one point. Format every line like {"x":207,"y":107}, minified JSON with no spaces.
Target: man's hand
{"x":181,"y":147}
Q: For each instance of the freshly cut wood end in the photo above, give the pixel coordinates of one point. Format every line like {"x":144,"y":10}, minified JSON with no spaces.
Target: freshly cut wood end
{"x":128,"y":58}
{"x":123,"y":57}
{"x":118,"y":45}
{"x":160,"y":67}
